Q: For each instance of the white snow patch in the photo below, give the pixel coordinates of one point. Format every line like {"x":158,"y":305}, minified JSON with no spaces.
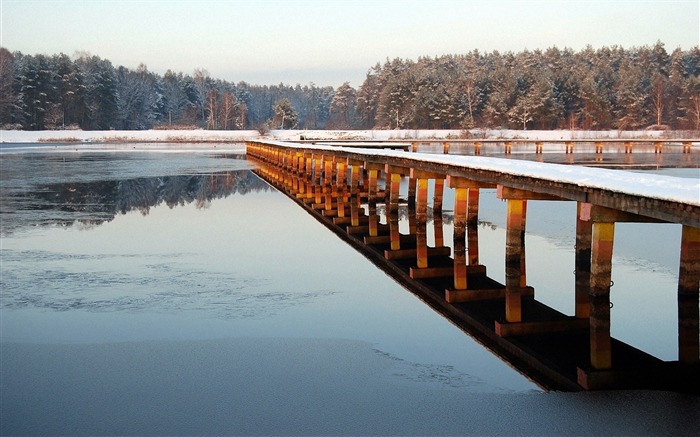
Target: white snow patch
{"x":13,"y":136}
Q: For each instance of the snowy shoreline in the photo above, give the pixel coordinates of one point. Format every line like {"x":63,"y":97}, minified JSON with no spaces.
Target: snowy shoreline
{"x":210,"y":136}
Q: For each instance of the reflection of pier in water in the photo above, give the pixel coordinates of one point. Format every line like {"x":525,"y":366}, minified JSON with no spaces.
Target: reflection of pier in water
{"x":341,"y":189}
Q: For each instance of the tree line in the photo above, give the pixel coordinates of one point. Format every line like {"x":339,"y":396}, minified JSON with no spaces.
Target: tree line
{"x":606,"y":88}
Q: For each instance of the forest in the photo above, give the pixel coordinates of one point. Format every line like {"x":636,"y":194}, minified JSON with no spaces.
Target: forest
{"x":592,"y":89}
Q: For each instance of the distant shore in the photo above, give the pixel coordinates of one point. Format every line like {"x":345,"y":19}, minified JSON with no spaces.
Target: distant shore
{"x":238,"y":136}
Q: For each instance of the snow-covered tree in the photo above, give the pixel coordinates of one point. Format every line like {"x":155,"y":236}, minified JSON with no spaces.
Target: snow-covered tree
{"x":8,"y":98}
{"x":285,"y":115}
{"x":342,"y":110}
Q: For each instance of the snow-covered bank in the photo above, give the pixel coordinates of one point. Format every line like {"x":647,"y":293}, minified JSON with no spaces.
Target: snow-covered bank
{"x":194,"y":136}
{"x":115,"y":136}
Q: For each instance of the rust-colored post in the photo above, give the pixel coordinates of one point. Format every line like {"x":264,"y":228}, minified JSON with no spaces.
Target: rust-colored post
{"x":309,"y":160}
{"x":438,"y":195}
{"x":460,"y":224}
{"x":515,"y":249}
{"x":688,"y":296}
{"x":584,"y":228}
{"x":372,"y":176}
{"x":355,"y":201}
{"x":601,"y":274}
{"x":473,"y":208}
{"x":473,"y":226}
{"x":422,"y":219}
{"x":438,"y":229}
{"x":411,"y":192}
{"x":341,"y":178}
{"x":318,"y":189}
{"x":327,"y":182}
{"x":393,"y":210}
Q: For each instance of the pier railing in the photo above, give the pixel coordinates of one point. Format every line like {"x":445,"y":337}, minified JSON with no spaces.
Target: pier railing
{"x":507,"y":146}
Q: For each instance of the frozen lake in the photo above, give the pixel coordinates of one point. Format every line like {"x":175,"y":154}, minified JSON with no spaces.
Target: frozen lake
{"x":177,"y":293}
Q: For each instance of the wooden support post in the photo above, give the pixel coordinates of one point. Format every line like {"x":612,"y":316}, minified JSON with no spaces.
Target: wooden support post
{"x":515,"y":247}
{"x":318,"y":188}
{"x":355,"y":201}
{"x":341,"y":177}
{"x":438,"y":195}
{"x":327,"y":182}
{"x":473,"y":207}
{"x":688,"y":296}
{"x":438,"y":229}
{"x":460,"y":224}
{"x":372,"y":176}
{"x":355,"y":173}
{"x":309,"y":162}
{"x":584,"y":228}
{"x":601,"y":274}
{"x":392,"y":210}
{"x":422,"y":219}
{"x":295,"y":183}
{"x":472,"y":216}
{"x":473,"y":226}
{"x":412,"y":192}
{"x":598,"y":147}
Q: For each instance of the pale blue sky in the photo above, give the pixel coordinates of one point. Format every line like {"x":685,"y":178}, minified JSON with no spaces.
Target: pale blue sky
{"x":328,"y":42}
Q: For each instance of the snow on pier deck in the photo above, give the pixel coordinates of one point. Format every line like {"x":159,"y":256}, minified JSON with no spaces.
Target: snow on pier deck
{"x":665,"y":198}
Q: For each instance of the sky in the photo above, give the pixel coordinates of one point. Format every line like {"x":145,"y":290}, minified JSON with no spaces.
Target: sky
{"x":327,"y":42}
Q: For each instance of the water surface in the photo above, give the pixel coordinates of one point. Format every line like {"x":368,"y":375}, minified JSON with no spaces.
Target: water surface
{"x":154,"y":293}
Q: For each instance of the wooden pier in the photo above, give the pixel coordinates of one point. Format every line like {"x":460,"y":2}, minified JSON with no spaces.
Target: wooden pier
{"x":558,"y":351}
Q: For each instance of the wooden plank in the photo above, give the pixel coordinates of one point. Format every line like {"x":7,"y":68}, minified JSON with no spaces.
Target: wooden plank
{"x":412,"y":253}
{"x":524,"y":328}
{"x":430,"y":272}
{"x":457,"y":296}
{"x":386,"y":239}
{"x":423,"y":174}
{"x":503,"y":192}
{"x":460,"y":182}
{"x":601,"y":214}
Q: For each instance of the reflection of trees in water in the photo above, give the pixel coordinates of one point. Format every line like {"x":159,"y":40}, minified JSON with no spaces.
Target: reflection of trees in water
{"x":94,"y":203}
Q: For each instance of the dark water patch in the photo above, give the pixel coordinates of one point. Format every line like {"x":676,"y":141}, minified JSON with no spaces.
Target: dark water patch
{"x":91,"y":197}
